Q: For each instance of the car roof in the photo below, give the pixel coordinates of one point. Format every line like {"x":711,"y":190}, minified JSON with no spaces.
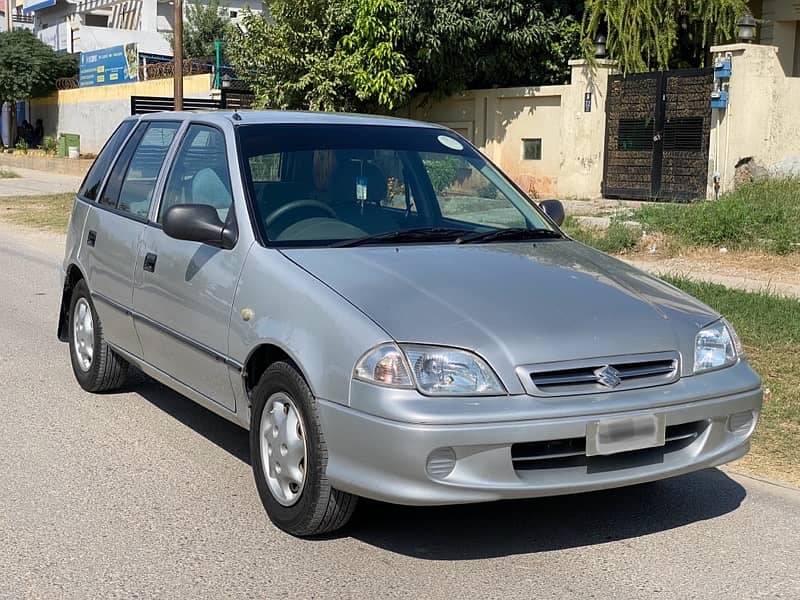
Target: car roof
{"x":288,"y":117}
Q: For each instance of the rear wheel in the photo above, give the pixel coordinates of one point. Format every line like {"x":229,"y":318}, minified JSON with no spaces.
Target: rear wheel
{"x":289,"y":457}
{"x":97,"y":368}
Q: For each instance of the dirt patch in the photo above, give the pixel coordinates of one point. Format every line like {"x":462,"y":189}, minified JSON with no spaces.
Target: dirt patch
{"x":748,"y":270}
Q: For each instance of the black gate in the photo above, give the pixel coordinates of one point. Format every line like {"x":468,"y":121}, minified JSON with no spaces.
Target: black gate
{"x":657,"y":132}
{"x":229,"y":100}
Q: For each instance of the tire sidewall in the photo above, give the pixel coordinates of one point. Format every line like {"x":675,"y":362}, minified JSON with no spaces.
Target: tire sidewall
{"x":283,"y":378}
{"x":85,"y":378}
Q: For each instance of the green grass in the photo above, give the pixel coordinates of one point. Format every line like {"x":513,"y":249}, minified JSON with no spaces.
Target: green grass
{"x":757,"y":216}
{"x":6,"y":174}
{"x":49,"y":212}
{"x":769,"y":327}
{"x":617,"y":239}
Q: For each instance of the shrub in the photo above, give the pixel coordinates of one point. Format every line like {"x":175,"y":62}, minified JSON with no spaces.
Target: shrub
{"x":764,"y":215}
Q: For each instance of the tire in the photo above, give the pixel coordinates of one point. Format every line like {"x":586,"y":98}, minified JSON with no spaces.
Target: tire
{"x":105,"y":370}
{"x":313,"y":507}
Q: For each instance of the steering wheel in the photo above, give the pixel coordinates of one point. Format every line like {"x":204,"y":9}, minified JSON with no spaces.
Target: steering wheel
{"x":295,"y":205}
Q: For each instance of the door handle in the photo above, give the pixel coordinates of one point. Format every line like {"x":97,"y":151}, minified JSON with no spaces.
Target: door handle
{"x":150,"y":262}
{"x":91,"y":238}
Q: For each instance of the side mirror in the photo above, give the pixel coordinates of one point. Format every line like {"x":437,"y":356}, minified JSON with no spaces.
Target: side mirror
{"x":199,"y":223}
{"x":553,"y":209}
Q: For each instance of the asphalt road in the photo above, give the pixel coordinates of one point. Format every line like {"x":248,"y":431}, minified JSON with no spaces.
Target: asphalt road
{"x":144,"y":494}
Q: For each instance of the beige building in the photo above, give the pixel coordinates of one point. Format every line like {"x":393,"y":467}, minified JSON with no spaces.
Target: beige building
{"x":549,"y":139}
{"x":780,"y":27}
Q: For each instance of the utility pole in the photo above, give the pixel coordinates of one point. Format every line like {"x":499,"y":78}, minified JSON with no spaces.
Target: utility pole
{"x":178,"y":54}
{"x":9,"y":18}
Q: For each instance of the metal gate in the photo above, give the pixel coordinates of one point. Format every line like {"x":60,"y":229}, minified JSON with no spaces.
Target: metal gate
{"x":229,"y":100}
{"x":657,"y":133}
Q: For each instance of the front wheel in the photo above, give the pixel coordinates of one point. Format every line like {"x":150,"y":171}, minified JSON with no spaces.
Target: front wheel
{"x":289,"y":457}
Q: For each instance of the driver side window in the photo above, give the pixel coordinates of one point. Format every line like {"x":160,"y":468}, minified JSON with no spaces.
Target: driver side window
{"x":200,"y":173}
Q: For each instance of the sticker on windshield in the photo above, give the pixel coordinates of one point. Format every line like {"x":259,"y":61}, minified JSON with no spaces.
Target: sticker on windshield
{"x":449,"y":142}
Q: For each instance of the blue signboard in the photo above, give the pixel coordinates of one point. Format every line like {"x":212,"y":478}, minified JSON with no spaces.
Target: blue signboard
{"x":119,"y":64}
{"x":29,"y":6}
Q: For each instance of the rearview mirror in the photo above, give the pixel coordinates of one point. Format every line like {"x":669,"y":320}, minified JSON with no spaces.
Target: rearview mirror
{"x":553,"y":209}
{"x":199,"y":223}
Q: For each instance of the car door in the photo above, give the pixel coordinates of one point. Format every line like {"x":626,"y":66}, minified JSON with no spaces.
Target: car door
{"x":183,"y":300}
{"x":114,"y":230}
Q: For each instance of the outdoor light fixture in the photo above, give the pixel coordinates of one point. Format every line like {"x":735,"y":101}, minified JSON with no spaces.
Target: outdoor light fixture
{"x":747,"y":28}
{"x":226,"y":81}
{"x":600,"y":46}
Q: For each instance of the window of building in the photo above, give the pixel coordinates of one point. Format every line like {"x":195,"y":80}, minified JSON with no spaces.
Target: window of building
{"x":532,"y":149}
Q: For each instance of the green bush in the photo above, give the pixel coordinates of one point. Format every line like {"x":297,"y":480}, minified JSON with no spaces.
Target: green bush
{"x":617,"y":239}
{"x":763,"y":215}
{"x":442,"y":171}
{"x":50,"y":145}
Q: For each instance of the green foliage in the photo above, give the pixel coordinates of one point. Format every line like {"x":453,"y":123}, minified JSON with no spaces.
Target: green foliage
{"x":764,"y":215}
{"x":650,"y":34}
{"x":204,"y":24}
{"x":324,"y":55}
{"x":617,"y":239}
{"x":29,"y":67}
{"x":21,"y":146}
{"x":381,"y":71}
{"x":453,"y":45}
{"x":6,"y":174}
{"x":49,"y":145}
{"x":442,"y":171}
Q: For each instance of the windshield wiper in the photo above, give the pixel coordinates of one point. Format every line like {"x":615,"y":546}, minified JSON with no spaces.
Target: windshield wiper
{"x":513,"y":233}
{"x":428,"y":234}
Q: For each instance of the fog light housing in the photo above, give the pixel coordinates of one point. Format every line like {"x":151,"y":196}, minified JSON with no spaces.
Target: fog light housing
{"x":740,"y":421}
{"x":441,"y":463}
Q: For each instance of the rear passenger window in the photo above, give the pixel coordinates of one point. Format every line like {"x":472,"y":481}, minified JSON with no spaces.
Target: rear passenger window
{"x":131,"y":183}
{"x":90,"y":188}
{"x":200,"y":173}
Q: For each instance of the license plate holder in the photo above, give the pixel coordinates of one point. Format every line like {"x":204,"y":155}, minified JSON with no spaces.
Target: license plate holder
{"x":624,"y":434}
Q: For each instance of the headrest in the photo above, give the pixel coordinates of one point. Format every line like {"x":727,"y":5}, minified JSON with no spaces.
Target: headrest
{"x":345,"y":179}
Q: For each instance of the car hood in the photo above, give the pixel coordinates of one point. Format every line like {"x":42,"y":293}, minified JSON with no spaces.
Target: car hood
{"x":513,"y":303}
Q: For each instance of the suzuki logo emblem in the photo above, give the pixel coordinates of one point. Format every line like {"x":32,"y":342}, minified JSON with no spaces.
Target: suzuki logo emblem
{"x":608,"y":376}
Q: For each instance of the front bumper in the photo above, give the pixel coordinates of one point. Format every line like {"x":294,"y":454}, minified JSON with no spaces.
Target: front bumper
{"x":386,"y":460}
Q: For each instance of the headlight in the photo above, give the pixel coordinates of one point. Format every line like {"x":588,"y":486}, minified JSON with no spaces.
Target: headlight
{"x":715,"y":347}
{"x":435,"y":370}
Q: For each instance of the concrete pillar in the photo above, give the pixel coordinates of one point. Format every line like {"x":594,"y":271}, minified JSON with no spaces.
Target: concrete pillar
{"x":744,"y":128}
{"x":582,"y":131}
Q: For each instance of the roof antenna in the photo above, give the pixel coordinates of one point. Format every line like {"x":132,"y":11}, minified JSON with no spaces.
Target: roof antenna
{"x":236,"y":116}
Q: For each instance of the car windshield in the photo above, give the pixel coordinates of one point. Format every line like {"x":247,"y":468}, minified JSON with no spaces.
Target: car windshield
{"x":346,"y":185}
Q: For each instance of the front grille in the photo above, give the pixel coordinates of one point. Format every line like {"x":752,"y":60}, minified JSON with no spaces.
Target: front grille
{"x":588,"y":376}
{"x":571,"y":452}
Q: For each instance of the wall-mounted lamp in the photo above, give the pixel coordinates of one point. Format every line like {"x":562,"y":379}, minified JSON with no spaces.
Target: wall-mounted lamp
{"x":747,"y":28}
{"x":600,"y":46}
{"x":226,"y":81}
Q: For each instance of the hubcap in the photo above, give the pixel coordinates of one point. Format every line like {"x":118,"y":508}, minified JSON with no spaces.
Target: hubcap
{"x":283,"y":449}
{"x":83,"y":334}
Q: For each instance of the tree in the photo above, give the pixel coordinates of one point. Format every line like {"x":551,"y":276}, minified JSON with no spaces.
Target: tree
{"x":324,"y":55}
{"x":453,"y":45}
{"x":204,"y":25}
{"x":29,"y":67}
{"x":659,"y":34}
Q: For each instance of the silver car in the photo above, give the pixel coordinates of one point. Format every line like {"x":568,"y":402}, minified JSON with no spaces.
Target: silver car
{"x":388,"y":315}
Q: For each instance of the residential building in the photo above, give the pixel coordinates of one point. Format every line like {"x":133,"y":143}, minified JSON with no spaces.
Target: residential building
{"x":780,"y":27}
{"x":85,"y":25}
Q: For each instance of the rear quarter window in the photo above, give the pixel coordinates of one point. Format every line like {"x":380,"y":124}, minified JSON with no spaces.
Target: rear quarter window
{"x":90,"y":188}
